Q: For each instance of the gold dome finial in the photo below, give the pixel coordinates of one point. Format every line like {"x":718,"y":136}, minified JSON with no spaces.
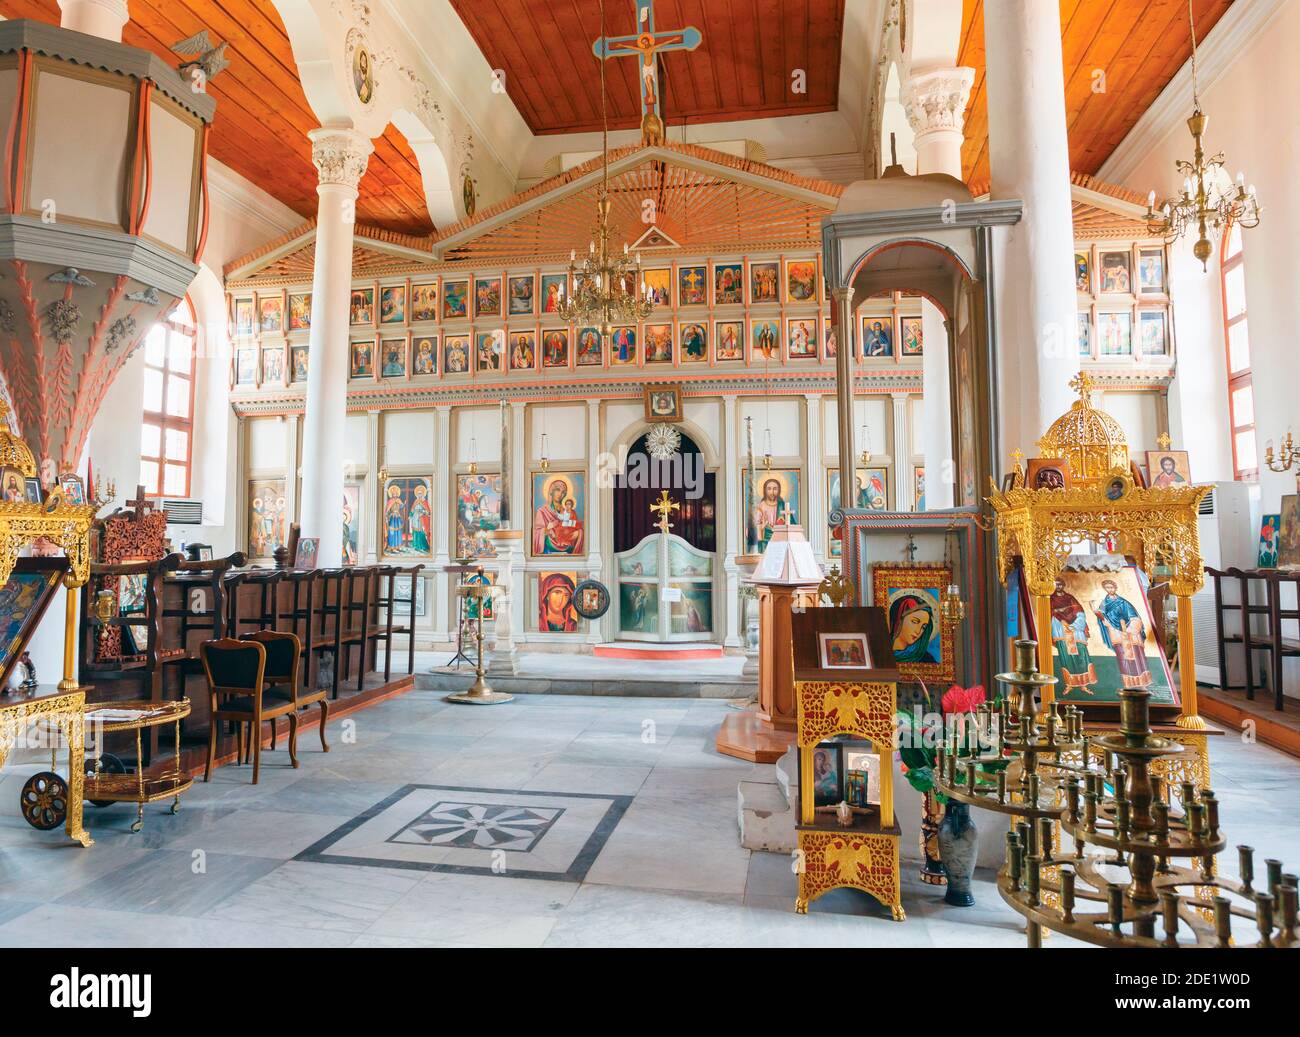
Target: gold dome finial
{"x":1091,"y":440}
{"x":14,"y":453}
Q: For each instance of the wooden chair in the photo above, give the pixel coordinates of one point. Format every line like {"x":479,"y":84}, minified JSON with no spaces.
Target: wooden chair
{"x":297,"y":615}
{"x":383,"y":626}
{"x":281,"y":673}
{"x":355,"y":619}
{"x":1280,"y":647}
{"x":237,"y":670}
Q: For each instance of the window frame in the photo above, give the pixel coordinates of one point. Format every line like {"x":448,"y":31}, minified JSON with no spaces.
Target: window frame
{"x":1244,"y":378}
{"x":164,"y":421}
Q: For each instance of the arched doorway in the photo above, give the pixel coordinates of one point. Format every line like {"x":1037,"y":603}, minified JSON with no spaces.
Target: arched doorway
{"x":666,"y":581}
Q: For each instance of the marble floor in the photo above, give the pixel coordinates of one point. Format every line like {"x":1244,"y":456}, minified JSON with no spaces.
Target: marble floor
{"x":552,"y":821}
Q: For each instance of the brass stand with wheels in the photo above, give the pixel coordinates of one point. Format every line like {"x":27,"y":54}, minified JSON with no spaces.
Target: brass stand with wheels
{"x":147,"y":784}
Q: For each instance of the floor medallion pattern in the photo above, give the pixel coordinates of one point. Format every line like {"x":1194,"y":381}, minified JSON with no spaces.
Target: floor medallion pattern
{"x":540,"y":835}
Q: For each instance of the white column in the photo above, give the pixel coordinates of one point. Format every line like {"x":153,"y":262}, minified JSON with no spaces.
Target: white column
{"x":729,"y":506}
{"x":102,"y":18}
{"x":293,"y":467}
{"x":814,"y":522}
{"x":1030,"y":160}
{"x":340,"y":156}
{"x":367,"y":544}
{"x":935,"y":102}
{"x":595,"y":563}
{"x":521,"y":518}
{"x":445,"y":607}
{"x":901,"y":450}
{"x":940,"y":462}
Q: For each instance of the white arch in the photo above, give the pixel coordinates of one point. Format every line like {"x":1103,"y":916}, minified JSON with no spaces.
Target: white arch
{"x":326,"y":35}
{"x":639,"y":427}
{"x":441,"y":193}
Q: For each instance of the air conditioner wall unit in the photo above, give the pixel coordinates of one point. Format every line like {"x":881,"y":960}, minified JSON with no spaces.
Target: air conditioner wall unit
{"x":1228,"y":539}
{"x":182,"y":512}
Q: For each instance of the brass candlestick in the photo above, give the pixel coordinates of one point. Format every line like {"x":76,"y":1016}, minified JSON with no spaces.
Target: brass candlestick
{"x":480,"y":692}
{"x":1119,"y":809}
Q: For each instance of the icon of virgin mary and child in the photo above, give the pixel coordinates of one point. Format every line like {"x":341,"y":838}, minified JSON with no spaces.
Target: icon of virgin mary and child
{"x":557,"y":529}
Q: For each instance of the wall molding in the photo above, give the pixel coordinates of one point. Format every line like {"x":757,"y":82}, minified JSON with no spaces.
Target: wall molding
{"x":238,"y":196}
{"x":1222,"y":47}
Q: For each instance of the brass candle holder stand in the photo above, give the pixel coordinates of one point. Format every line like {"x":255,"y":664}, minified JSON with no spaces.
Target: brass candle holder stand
{"x":480,"y":692}
{"x":1151,"y":865}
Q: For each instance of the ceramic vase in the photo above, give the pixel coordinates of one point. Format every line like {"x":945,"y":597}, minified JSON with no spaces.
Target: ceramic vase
{"x":931,"y":817}
{"x":957,"y":848}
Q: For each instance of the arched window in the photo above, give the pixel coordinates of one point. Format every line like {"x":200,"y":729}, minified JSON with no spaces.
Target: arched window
{"x":1236,"y":330}
{"x":166,"y":436}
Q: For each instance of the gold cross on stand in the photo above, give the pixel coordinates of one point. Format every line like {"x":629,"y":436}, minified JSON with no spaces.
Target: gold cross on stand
{"x":1163,"y":440}
{"x":1017,"y":455}
{"x":664,"y":506}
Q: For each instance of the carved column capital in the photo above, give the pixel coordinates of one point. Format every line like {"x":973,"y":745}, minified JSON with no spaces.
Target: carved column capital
{"x":935,"y":101}
{"x":340,"y":156}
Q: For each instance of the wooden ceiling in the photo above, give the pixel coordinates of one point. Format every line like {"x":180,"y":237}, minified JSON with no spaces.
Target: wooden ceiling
{"x":742,"y":70}
{"x":733,"y":206}
{"x":263,"y":117}
{"x":1139,"y":46}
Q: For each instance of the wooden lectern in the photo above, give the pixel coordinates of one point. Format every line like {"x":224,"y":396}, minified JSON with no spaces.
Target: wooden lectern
{"x":786,"y":578}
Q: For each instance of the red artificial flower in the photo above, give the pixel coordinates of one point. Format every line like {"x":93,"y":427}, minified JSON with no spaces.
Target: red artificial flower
{"x":962,"y":700}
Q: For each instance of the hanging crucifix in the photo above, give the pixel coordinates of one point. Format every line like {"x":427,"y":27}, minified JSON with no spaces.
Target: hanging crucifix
{"x":646,"y":44}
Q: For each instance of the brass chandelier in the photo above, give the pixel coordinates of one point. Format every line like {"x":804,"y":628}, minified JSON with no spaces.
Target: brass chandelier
{"x":1204,"y":204}
{"x":607,"y":288}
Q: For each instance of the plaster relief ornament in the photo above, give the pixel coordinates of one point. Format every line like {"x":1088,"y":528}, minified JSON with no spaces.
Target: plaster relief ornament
{"x":123,"y":330}
{"x":209,"y":61}
{"x":663,"y":441}
{"x":149,"y":296}
{"x":71,"y":275}
{"x":340,"y":156}
{"x":63,"y":316}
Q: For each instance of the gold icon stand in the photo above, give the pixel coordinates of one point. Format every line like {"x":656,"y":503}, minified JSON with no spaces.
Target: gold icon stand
{"x":480,"y":692}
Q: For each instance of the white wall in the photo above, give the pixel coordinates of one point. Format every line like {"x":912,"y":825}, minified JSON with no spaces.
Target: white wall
{"x":1252,"y":112}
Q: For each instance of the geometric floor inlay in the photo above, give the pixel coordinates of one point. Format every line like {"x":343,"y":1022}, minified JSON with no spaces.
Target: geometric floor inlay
{"x":540,"y":835}
{"x":479,"y":825}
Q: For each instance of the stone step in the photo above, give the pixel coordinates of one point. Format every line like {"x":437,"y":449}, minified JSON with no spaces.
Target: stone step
{"x":765,"y":816}
{"x":712,"y":687}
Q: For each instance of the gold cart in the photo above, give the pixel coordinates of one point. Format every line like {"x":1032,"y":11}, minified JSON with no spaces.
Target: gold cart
{"x":66,"y":525}
{"x":162,"y":780}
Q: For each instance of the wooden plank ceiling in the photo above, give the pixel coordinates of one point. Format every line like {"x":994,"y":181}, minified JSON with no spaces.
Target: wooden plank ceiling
{"x":262,"y":113}
{"x":742,"y":70}
{"x":1139,"y":47}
